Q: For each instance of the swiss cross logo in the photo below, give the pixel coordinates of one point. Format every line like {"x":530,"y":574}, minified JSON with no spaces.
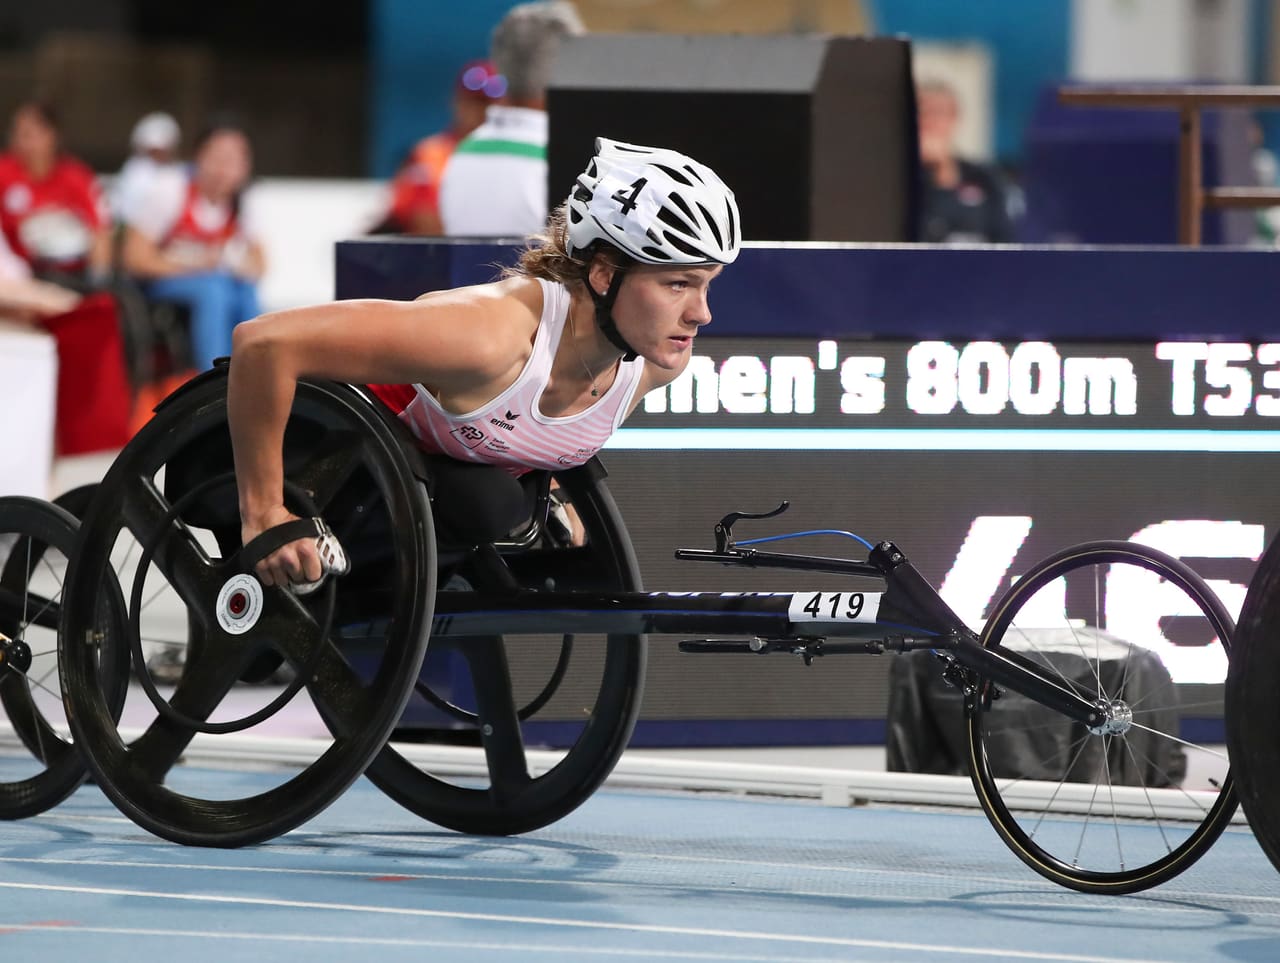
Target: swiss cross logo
{"x":469,"y":435}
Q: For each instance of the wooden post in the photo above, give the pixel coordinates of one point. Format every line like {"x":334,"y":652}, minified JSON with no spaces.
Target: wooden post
{"x":1190,"y":197}
{"x":1193,"y":197}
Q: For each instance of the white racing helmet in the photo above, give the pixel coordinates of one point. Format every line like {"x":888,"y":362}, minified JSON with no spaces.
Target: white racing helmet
{"x":655,"y":205}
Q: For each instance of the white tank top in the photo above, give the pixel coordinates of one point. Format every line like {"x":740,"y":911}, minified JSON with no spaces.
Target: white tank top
{"x":510,"y":431}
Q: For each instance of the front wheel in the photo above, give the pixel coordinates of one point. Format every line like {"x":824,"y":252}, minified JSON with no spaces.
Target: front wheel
{"x":1131,"y":803}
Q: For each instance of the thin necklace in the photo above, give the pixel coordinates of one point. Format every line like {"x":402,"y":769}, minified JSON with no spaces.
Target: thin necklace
{"x":573,"y":334}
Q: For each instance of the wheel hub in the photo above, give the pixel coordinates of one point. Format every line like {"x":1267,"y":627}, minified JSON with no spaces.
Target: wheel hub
{"x":1118,"y":721}
{"x":239,"y":604}
{"x":14,"y":654}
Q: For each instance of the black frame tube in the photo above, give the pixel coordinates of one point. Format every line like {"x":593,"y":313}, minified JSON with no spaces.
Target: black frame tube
{"x":911,"y":615}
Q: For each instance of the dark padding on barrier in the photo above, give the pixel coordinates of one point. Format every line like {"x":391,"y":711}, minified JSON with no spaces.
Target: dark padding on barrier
{"x":916,"y":291}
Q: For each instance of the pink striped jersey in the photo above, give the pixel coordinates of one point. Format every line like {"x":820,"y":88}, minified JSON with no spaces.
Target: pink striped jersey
{"x":510,"y":431}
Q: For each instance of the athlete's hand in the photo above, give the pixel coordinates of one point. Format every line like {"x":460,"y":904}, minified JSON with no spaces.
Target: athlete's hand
{"x":298,"y":561}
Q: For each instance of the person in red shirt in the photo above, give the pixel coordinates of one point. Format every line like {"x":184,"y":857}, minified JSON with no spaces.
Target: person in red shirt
{"x":415,"y":190}
{"x":52,"y":211}
{"x":53,"y":225}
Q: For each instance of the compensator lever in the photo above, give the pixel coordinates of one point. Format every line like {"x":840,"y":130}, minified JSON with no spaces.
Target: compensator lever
{"x":724,"y":527}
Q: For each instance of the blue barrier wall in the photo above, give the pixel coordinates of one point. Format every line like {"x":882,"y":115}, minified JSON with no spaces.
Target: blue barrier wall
{"x":916,"y":291}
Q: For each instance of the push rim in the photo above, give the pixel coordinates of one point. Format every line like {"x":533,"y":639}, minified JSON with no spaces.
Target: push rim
{"x":343,"y":440}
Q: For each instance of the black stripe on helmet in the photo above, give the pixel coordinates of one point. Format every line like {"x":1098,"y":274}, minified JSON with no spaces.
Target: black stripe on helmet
{"x":674,"y":174}
{"x":711,"y":226}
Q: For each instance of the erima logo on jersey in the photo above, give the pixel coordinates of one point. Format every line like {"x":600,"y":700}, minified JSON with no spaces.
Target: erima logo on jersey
{"x":511,"y":416}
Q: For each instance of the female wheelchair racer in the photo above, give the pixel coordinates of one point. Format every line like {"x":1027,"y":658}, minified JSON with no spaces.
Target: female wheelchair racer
{"x":533,"y":372}
{"x":498,"y":388}
{"x":305,"y":445}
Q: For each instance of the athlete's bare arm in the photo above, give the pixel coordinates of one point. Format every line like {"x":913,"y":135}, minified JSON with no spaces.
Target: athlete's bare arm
{"x":459,"y":342}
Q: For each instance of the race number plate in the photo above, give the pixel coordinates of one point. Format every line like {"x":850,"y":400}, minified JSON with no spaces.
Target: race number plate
{"x":834,"y":606}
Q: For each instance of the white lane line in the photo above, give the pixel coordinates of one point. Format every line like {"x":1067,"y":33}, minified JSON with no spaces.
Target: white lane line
{"x":304,"y":839}
{"x":519,"y":949}
{"x":697,"y":931}
{"x":1079,"y":902}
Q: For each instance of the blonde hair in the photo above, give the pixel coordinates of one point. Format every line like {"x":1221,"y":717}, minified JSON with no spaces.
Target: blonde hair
{"x":547,"y":256}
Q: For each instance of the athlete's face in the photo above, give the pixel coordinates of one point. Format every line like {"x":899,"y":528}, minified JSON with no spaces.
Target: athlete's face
{"x":659,"y":310}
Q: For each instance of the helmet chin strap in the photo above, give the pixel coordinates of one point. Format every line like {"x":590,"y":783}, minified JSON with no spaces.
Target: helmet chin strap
{"x":604,"y":315}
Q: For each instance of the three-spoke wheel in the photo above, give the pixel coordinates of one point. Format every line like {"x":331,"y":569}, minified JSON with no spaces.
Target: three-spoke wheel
{"x":576,"y":695}
{"x":1135,"y":800}
{"x":166,"y":518}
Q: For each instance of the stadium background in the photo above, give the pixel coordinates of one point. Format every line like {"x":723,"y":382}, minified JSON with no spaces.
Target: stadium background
{"x":352,"y":85}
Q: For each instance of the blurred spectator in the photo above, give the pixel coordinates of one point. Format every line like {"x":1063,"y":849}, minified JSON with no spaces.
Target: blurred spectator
{"x":53,"y":225}
{"x":154,"y":145}
{"x":192,"y":240}
{"x":415,"y":190}
{"x":94,"y":397}
{"x":1266,"y":220}
{"x":52,"y":212}
{"x":961,"y":201}
{"x":496,"y":181}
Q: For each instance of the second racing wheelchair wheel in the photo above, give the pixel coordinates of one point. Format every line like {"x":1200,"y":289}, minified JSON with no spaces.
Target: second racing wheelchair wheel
{"x":550,"y":714}
{"x":1132,"y":802}
{"x":39,"y":765}
{"x":1253,"y":704}
{"x":217,"y":655}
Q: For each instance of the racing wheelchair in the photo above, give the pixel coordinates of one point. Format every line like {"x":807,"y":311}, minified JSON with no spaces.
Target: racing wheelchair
{"x":542,"y":620}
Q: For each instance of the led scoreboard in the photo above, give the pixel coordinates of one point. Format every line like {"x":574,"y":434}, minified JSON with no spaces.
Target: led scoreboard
{"x":979,"y":384}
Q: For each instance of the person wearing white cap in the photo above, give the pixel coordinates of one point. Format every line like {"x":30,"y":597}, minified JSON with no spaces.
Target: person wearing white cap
{"x":195,"y":239}
{"x":154,"y":144}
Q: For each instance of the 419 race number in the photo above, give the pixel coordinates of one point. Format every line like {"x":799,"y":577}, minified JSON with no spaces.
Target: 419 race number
{"x":834,"y":606}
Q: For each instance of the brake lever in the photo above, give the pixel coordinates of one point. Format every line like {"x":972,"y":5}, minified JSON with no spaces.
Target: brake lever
{"x":724,"y":528}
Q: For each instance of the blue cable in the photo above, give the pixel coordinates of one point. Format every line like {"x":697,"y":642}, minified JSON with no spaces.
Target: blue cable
{"x":817,"y":531}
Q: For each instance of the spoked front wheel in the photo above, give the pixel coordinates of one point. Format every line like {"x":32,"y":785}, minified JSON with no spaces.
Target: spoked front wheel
{"x":1130,"y":803}
{"x":39,"y":765}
